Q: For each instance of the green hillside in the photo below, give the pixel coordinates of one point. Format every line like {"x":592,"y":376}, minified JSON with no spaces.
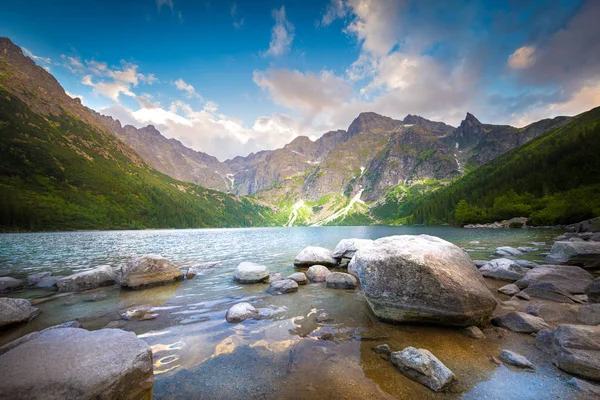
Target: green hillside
{"x":60,"y":173}
{"x":554,"y":179}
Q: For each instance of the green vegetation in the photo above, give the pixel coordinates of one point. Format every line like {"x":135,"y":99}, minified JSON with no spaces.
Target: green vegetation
{"x":554,"y":179}
{"x":60,"y":173}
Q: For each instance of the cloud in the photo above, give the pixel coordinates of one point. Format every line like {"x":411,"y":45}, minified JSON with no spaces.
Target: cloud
{"x":237,"y":21}
{"x":110,"y":82}
{"x":186,"y":87}
{"x":522,"y":58}
{"x":334,"y":10}
{"x":282,"y":34}
{"x":161,"y":3}
{"x":29,"y":54}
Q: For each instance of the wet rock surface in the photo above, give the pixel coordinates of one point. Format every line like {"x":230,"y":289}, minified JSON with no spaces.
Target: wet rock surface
{"x":317,"y":273}
{"x":283,"y":286}
{"x":341,"y":280}
{"x":100,"y":276}
{"x":241,"y":312}
{"x":299,"y":277}
{"x":148,"y":271}
{"x":315,"y":256}
{"x":422,"y":366}
{"x":9,"y":284}
{"x":248,"y":272}
{"x":15,"y":311}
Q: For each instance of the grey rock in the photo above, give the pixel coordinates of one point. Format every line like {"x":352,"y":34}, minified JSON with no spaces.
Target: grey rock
{"x":582,"y":254}
{"x":323,"y":317}
{"x":527,"y":249}
{"x":576,"y":350}
{"x":590,"y":314}
{"x":503,"y":269}
{"x":346,"y":248}
{"x":248,"y":272}
{"x":95,"y":278}
{"x":534,"y":309}
{"x":549,"y":291}
{"x":78,"y":364}
{"x":283,"y":286}
{"x":480,"y":263}
{"x":340,"y":280}
{"x":566,"y":277}
{"x":69,"y":324}
{"x":34,"y":279}
{"x":507,"y":251}
{"x":299,"y":277}
{"x":527,"y":263}
{"x":515,"y":359}
{"x":19,"y":341}
{"x":589,"y":390}
{"x":520,"y":322}
{"x":422,"y":366}
{"x":523,"y":296}
{"x":148,"y":271}
{"x":191,"y":273}
{"x":138,"y":313}
{"x":15,"y":311}
{"x":593,"y":291}
{"x":383,"y":350}
{"x":241,"y":312}
{"x":473,"y":332}
{"x":48,"y":282}
{"x":510,"y":290}
{"x":8,"y":284}
{"x":317,"y":273}
{"x":543,"y":340}
{"x":275,"y":277}
{"x":423,"y":279}
{"x":315,"y":256}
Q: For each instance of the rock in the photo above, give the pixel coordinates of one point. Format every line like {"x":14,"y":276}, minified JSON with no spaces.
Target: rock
{"x":283,"y":286}
{"x":523,"y":296}
{"x":383,"y":350}
{"x":549,"y":291}
{"x":95,"y":278}
{"x":317,"y":273}
{"x":473,"y":332}
{"x":15,"y":311}
{"x":520,"y":322}
{"x":70,"y":324}
{"x":191,"y":273}
{"x":527,"y":264}
{"x":299,"y":277}
{"x":568,"y":278}
{"x":507,"y":251}
{"x":576,"y":350}
{"x":422,"y":366}
{"x":323,"y":317}
{"x":503,"y":269}
{"x":315,"y":256}
{"x":352,"y":268}
{"x":340,"y":280}
{"x":78,"y":364}
{"x":248,"y":272}
{"x":480,"y":263}
{"x":423,"y":279}
{"x":527,"y":249}
{"x":586,"y":389}
{"x":34,"y":279}
{"x":543,"y":340}
{"x":275,"y":277}
{"x":139,"y":313}
{"x":593,"y":291}
{"x":347,"y":247}
{"x":590,"y":314}
{"x":515,"y":359}
{"x":149,"y":270}
{"x":534,"y":309}
{"x":590,"y":225}
{"x":8,"y":284}
{"x":582,"y":254}
{"x":327,"y":336}
{"x":48,"y":282}
{"x":241,"y":312}
{"x":17,"y":342}
{"x":510,"y":290}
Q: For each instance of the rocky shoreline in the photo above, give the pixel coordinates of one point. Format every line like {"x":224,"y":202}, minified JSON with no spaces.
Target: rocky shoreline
{"x":404,"y":279}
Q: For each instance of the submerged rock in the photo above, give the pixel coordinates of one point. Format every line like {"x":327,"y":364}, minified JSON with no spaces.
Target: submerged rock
{"x":248,"y":272}
{"x":8,"y":284}
{"x":340,"y":280}
{"x":15,"y":311}
{"x":241,"y":312}
{"x":576,"y":349}
{"x":323,"y":317}
{"x":566,"y":277}
{"x":346,"y":248}
{"x":317,"y":273}
{"x":423,"y":279}
{"x":520,"y":322}
{"x":383,"y":350}
{"x":139,"y":313}
{"x":515,"y":359}
{"x":422,"y":366}
{"x":78,"y":364}
{"x":582,"y":254}
{"x":315,"y":256}
{"x":283,"y":286}
{"x":148,"y":271}
{"x":299,"y":277}
{"x":191,"y":273}
{"x":503,"y":269}
{"x":94,"y":278}
{"x":590,"y":314}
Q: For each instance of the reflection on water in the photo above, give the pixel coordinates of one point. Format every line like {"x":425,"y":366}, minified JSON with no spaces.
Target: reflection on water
{"x":287,"y":353}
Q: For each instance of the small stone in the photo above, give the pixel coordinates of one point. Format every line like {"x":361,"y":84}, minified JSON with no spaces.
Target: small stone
{"x":326,"y":336}
{"x":138,"y":313}
{"x":191,"y":273}
{"x":323,"y":317}
{"x":515,"y":359}
{"x":318,"y":273}
{"x":241,"y":312}
{"x":275,"y":277}
{"x":115,"y":324}
{"x":473,"y":332}
{"x":299,"y":277}
{"x":15,"y":311}
{"x":247,"y":272}
{"x":510,"y":290}
{"x":422,"y":366}
{"x":383,"y":350}
{"x":523,"y":296}
{"x":340,"y":280}
{"x":283,"y":286}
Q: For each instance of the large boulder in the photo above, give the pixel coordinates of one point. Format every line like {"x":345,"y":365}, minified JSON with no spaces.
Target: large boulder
{"x":566,"y":277}
{"x":423,"y":279}
{"x":248,"y":272}
{"x":103,"y":275}
{"x":149,"y":270}
{"x":15,"y":311}
{"x":582,"y":254}
{"x":549,"y":291}
{"x":315,"y":256}
{"x":317,"y":273}
{"x":241,"y":312}
{"x":75,"y":363}
{"x":422,"y":366}
{"x":593,"y":291}
{"x":8,"y":284}
{"x":576,"y":349}
{"x":503,"y":269}
{"x":346,"y":248}
{"x":340,"y":280}
{"x":520,"y":322}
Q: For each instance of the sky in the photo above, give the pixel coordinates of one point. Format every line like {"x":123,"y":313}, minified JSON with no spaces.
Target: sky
{"x":233,"y":77}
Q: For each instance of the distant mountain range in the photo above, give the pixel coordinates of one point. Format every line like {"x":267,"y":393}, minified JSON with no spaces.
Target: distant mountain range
{"x":54,"y":148}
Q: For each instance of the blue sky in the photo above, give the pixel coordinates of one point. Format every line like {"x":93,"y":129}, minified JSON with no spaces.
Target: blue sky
{"x":228,"y":78}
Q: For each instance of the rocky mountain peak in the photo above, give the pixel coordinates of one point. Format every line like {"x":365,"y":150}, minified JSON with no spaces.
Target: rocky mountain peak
{"x":370,"y":122}
{"x":470,"y":118}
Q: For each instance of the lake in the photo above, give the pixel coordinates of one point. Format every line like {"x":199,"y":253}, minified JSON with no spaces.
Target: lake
{"x":199,"y":355}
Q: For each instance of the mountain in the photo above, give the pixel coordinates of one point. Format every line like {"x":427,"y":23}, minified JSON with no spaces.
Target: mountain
{"x":552,"y":179}
{"x":61,"y":169}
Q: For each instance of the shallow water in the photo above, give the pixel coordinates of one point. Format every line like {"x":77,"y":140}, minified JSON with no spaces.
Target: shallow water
{"x":199,"y":355}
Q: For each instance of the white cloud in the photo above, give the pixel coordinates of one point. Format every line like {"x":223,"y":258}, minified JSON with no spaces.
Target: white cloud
{"x":336,"y":9}
{"x":186,"y":87}
{"x":74,"y":96}
{"x":282,"y":34}
{"x":29,"y":54}
{"x":522,"y":58}
{"x":237,"y":21}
